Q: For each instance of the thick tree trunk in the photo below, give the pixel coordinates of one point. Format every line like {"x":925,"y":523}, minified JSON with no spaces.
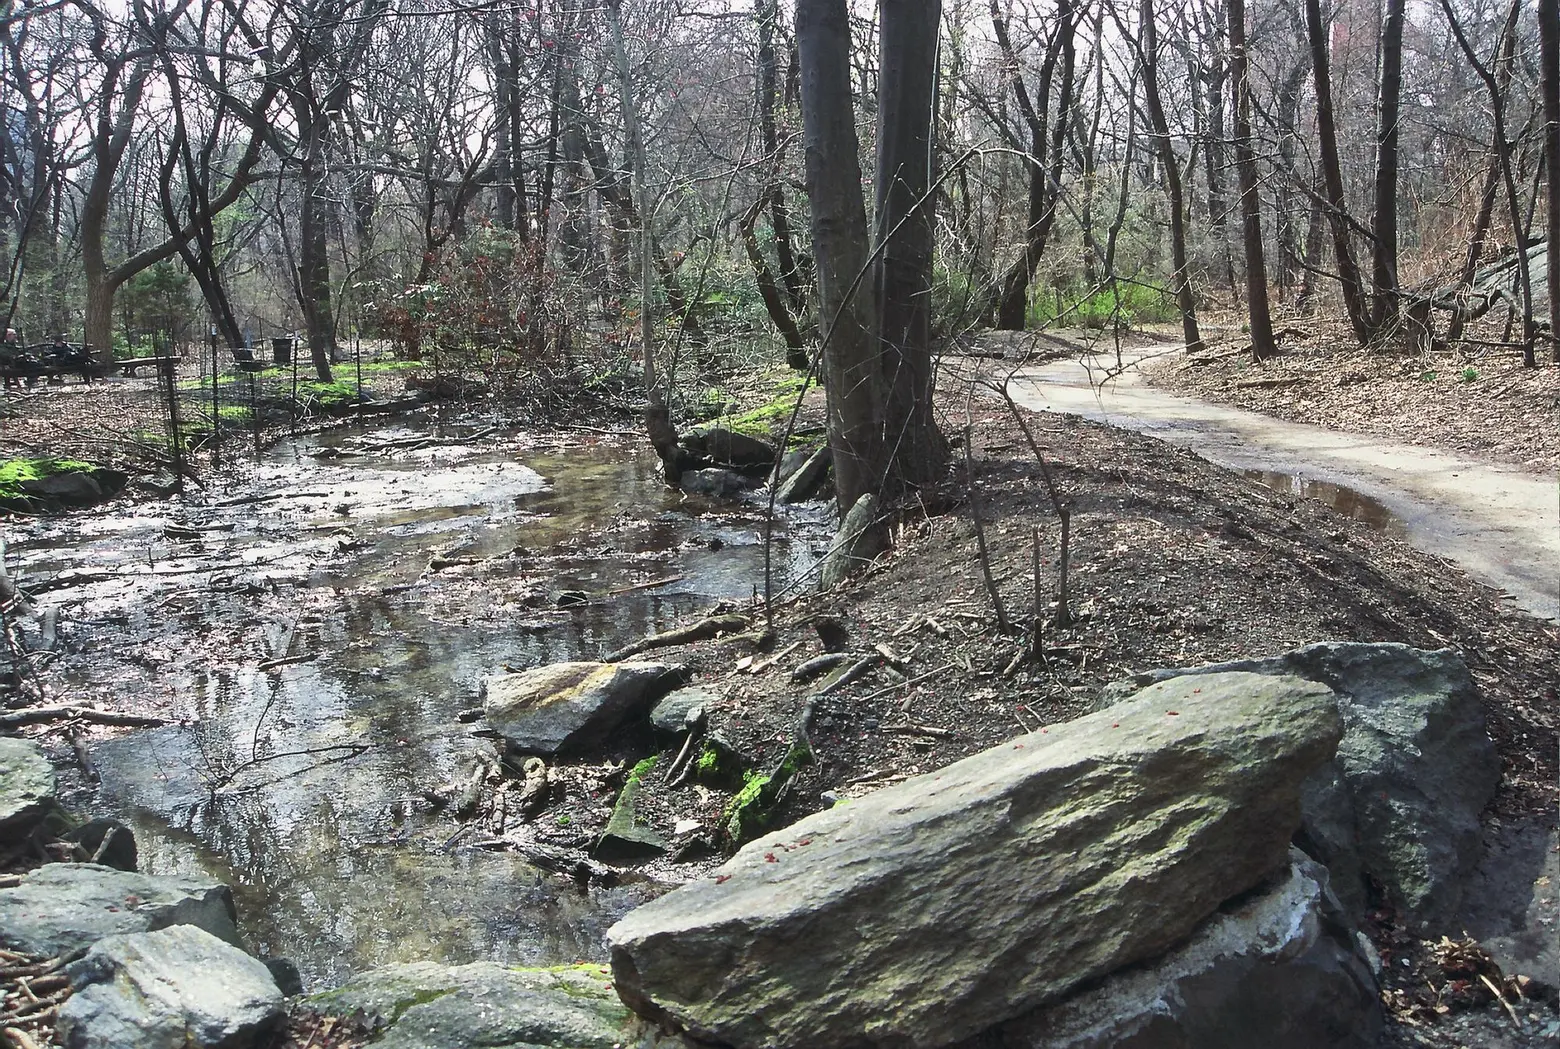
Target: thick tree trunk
{"x":839,"y":228}
{"x":907,"y":66}
{"x":1384,"y":282}
{"x":1262,"y":344}
{"x":314,"y":252}
{"x":768,"y":15}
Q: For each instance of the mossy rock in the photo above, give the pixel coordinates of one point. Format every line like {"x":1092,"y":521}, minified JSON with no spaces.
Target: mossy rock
{"x":752,"y":811}
{"x":50,"y":484}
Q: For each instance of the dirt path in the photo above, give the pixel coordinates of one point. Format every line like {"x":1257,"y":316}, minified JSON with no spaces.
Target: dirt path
{"x":1500,"y":524}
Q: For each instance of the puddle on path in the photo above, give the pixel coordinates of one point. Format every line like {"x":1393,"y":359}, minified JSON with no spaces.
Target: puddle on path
{"x":1347,"y":501}
{"x":302,"y":789}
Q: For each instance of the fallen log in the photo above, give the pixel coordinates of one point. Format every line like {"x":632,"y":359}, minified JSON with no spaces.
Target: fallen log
{"x":703,"y":630}
{"x":39,"y":715}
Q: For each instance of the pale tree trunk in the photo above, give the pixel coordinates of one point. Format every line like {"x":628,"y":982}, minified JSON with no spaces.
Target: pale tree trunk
{"x":1262,"y":344}
{"x":852,"y":379}
{"x":907,"y":46}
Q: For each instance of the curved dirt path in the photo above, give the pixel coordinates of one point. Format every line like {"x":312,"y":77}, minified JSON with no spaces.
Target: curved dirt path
{"x":1499,"y":524}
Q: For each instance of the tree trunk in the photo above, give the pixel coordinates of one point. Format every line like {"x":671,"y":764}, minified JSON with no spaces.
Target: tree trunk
{"x":907,"y":66}
{"x":1384,"y":283}
{"x":314,"y":249}
{"x":1262,"y":345}
{"x":839,"y":228}
{"x":1185,"y":298}
{"x":1045,"y":154}
{"x":768,"y":16}
{"x":1349,"y":277}
{"x":1549,"y":81}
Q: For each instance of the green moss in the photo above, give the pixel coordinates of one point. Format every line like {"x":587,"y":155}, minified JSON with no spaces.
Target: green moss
{"x":641,"y":770}
{"x":15,"y":472}
{"x":751,"y":811}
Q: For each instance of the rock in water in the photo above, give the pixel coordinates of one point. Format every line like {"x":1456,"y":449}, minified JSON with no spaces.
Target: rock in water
{"x":934,"y":909}
{"x":61,"y":908}
{"x":430,"y":1006}
{"x":1278,"y":968}
{"x":27,"y":786}
{"x":179,"y":988}
{"x":571,"y":706}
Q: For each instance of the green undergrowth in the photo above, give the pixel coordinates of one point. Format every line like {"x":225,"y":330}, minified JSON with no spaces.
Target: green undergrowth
{"x":769,"y":419}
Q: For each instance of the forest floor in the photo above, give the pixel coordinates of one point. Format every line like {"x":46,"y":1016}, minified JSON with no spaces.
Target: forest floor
{"x":1174,"y":562}
{"x":1483,"y":404}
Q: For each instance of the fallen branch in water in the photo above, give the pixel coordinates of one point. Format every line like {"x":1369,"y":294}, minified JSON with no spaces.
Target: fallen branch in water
{"x":272,"y":664}
{"x":38,"y":715}
{"x":245,"y":500}
{"x":704,"y":629}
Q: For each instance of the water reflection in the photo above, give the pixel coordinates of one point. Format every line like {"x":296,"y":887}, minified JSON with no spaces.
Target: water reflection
{"x":302,"y":787}
{"x":1347,"y":501}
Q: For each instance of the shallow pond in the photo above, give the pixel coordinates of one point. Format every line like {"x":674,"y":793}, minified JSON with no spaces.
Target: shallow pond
{"x":301,"y":785}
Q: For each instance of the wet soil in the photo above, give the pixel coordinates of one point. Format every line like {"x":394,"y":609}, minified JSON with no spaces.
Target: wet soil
{"x":1174,"y":562}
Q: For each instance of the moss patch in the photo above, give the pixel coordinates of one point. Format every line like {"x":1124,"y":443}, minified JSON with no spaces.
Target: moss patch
{"x":16,"y":472}
{"x":752,"y":810}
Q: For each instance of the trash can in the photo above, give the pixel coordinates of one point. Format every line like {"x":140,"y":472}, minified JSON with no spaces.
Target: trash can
{"x":281,"y":349}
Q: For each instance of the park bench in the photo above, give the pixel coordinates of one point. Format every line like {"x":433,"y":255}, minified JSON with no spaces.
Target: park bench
{"x":128,"y":366}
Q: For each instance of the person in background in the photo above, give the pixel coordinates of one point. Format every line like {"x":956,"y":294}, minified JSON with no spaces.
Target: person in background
{"x":10,"y":356}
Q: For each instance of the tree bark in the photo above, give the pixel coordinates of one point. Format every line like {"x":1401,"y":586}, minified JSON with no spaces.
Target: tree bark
{"x":1185,"y":297}
{"x":1349,"y":277}
{"x":1262,"y":344}
{"x":1384,"y":281}
{"x":907,"y":66}
{"x":1549,"y":86}
{"x":839,"y":228}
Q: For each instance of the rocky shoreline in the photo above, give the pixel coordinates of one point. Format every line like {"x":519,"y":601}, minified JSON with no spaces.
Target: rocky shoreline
{"x":1191,"y":864}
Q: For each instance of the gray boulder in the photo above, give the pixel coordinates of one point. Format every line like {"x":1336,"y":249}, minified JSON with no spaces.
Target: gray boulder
{"x":571,"y":706}
{"x":860,"y":538}
{"x":679,"y":710}
{"x":715,"y":481}
{"x":72,"y":488}
{"x":178,"y":988}
{"x":803,"y":482}
{"x":63,"y":908}
{"x":430,"y":1006}
{"x":729,"y":448}
{"x":936,"y":908}
{"x":27,"y":786}
{"x":1280,"y":962}
{"x":1414,"y":770}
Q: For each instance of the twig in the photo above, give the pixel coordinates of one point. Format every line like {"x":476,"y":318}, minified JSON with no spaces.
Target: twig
{"x":920,"y":730}
{"x":20,"y":1038}
{"x":1502,"y":1000}
{"x":980,"y":533}
{"x":912,"y":682}
{"x":646,"y":586}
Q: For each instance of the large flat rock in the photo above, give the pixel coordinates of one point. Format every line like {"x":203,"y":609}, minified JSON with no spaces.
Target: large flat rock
{"x":62,"y":908}
{"x":27,"y":786}
{"x":937,"y":908}
{"x":429,"y":1006}
{"x":177,"y":988}
{"x":571,"y":706}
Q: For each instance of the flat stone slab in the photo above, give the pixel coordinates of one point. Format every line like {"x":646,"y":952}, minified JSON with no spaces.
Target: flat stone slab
{"x":934,"y":909}
{"x":62,"y":908}
{"x":571,"y":706}
{"x":27,"y":786}
{"x":431,"y":1006}
{"x":177,"y":988}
